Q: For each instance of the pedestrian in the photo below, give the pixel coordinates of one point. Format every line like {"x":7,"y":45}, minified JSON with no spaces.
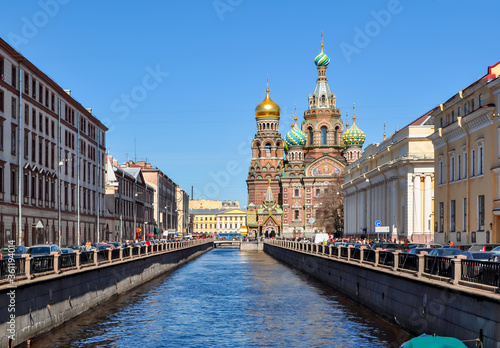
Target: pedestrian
{"x":451,"y":243}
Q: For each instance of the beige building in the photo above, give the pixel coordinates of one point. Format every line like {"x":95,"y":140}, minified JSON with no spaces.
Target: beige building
{"x":182,"y":204}
{"x":467,"y":166}
{"x":51,"y":159}
{"x":129,"y":203}
{"x":391,"y":186}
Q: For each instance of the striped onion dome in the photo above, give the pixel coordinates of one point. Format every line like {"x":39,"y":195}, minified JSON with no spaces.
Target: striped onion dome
{"x":354,"y":136}
{"x":296,"y":136}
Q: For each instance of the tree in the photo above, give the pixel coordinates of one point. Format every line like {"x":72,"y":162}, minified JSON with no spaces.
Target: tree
{"x":330,"y":214}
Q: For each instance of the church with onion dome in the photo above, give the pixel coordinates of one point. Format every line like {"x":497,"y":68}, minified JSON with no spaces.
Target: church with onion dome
{"x":289,"y":177}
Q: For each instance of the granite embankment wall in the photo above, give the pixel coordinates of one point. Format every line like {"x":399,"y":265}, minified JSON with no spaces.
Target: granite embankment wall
{"x":418,"y":305}
{"x":44,"y":303}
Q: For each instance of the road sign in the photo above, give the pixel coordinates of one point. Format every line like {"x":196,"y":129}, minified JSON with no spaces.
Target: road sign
{"x":378,"y":223}
{"x":39,"y":224}
{"x":382,"y":229}
{"x":312,"y":220}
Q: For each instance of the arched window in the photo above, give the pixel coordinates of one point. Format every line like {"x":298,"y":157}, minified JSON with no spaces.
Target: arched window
{"x":480,"y":101}
{"x":268,"y":150}
{"x":323,"y":135}
{"x":310,"y":136}
{"x":336,"y":135}
{"x":323,"y":99}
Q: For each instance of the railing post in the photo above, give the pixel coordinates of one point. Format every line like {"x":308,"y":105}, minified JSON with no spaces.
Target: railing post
{"x":110,"y":254}
{"x":27,"y":266}
{"x":55,"y":259}
{"x":121,"y":254}
{"x":349,"y":252}
{"x":96,"y":263}
{"x":330,"y":251}
{"x":130,"y":253}
{"x":339,"y":251}
{"x":377,"y":256}
{"x":77,"y":258}
{"x":457,"y":274}
{"x":396,"y":260}
{"x":361,"y":253}
{"x":421,"y":263}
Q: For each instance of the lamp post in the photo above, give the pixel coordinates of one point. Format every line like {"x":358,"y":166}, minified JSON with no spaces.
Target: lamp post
{"x":60,"y":164}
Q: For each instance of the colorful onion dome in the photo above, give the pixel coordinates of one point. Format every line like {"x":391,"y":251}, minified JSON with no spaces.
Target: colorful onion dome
{"x":295,"y":137}
{"x":322,"y":59}
{"x":353,"y":136}
{"x":267,"y":107}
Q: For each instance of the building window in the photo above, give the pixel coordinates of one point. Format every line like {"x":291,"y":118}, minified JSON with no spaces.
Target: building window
{"x":465,"y":109}
{"x":311,"y":136}
{"x":296,"y":214}
{"x":13,"y":186}
{"x":441,"y":217}
{"x":480,"y":161}
{"x":296,"y":193}
{"x":1,"y":101}
{"x":472,"y":106}
{"x":459,"y":112}
{"x":480,"y":101}
{"x":323,"y":135}
{"x":1,"y":68}
{"x":14,"y":107}
{"x":465,"y":164}
{"x":440,"y":172}
{"x":13,"y":139}
{"x":1,"y":135}
{"x":26,"y":145}
{"x":480,"y":213}
{"x":441,"y":122}
{"x":318,"y":192}
{"x":465,"y":214}
{"x":452,"y":168}
{"x":472,"y":163}
{"x":453,"y":116}
{"x":33,"y":147}
{"x":14,"y":77}
{"x":452,"y":216}
{"x":268,"y":150}
{"x":459,"y":167}
{"x":1,"y":179}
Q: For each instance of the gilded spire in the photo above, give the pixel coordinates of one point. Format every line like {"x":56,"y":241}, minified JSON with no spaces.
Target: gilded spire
{"x":384,"y":130}
{"x":322,"y":41}
{"x":353,"y":112}
{"x":346,"y":120}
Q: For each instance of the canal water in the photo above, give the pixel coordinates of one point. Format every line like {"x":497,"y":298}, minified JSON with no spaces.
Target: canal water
{"x":228,"y":298}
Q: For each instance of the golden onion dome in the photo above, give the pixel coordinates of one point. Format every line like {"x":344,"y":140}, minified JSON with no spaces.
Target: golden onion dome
{"x":267,"y":107}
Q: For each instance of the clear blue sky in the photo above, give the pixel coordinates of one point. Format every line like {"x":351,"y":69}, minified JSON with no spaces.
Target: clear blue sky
{"x":195,"y":70}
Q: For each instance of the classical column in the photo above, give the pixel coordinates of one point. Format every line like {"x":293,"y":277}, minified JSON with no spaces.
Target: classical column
{"x":417,"y":206}
{"x":427,"y":204}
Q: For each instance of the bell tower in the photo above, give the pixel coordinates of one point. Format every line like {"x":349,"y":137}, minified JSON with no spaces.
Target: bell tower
{"x":267,"y":152}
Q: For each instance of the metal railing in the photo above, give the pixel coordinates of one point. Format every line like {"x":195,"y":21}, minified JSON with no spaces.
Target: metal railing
{"x":452,"y":270}
{"x":27,"y":267}
{"x":482,"y":272}
{"x":12,"y":267}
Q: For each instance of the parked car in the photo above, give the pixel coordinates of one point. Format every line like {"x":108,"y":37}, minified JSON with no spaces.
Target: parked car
{"x":416,"y":251}
{"x":74,"y":246}
{"x":19,"y":250}
{"x":104,"y":246}
{"x":478,"y":255}
{"x":66,"y":251}
{"x":483,"y":247}
{"x":445,"y":252}
{"x":429,"y":245}
{"x":496,"y":250}
{"x":388,"y":246}
{"x":43,"y":250}
{"x":116,"y":244}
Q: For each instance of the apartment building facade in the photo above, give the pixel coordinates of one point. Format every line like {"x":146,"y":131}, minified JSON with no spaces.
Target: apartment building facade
{"x":51,"y":159}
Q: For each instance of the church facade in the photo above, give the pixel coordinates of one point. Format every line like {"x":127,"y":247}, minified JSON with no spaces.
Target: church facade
{"x":289,"y":178}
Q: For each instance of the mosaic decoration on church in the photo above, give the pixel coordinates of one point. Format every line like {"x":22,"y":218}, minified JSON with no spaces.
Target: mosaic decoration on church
{"x":325,"y":168}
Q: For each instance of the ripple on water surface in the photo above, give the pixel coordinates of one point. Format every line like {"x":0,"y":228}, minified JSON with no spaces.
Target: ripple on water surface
{"x":227,"y":298}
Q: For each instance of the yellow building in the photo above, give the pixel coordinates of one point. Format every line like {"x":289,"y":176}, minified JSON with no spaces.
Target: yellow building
{"x":467,"y":164}
{"x":204,"y":221}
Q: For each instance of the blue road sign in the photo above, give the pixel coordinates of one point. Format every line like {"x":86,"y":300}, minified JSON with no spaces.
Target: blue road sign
{"x":378,"y":223}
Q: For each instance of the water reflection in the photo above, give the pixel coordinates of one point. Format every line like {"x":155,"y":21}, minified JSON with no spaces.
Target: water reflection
{"x":227,"y":298}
